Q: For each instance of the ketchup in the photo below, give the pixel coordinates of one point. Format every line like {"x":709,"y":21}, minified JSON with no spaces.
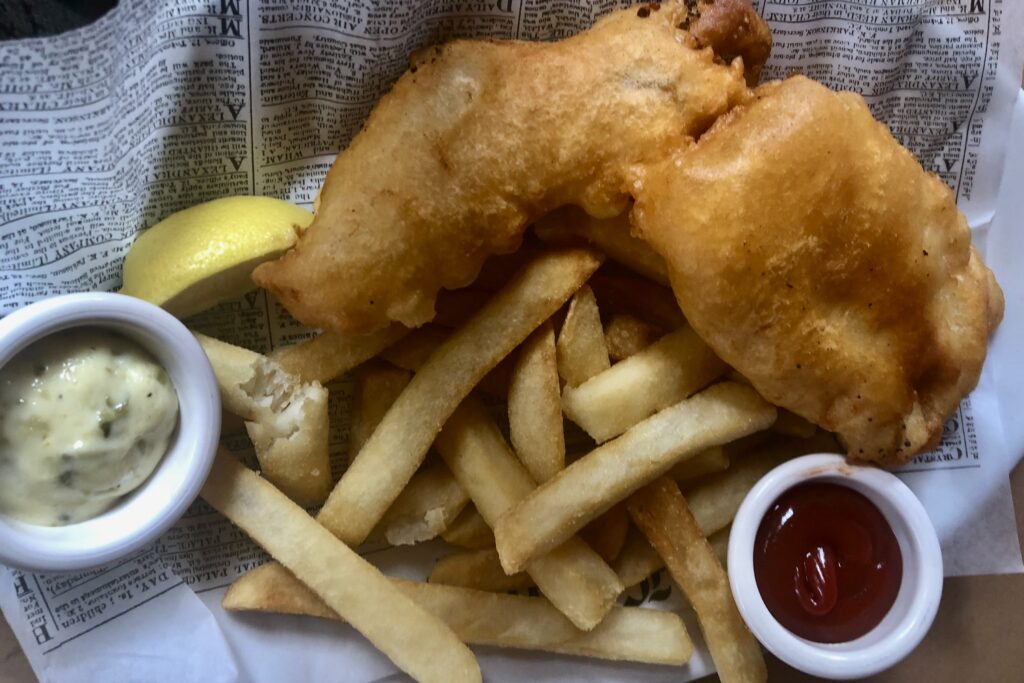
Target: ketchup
{"x":827,"y":563}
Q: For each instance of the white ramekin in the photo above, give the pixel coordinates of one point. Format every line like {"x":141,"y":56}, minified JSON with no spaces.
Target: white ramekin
{"x":916,"y":603}
{"x":141,"y":516}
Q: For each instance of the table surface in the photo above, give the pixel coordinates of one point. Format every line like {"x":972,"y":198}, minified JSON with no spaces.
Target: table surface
{"x":977,"y":632}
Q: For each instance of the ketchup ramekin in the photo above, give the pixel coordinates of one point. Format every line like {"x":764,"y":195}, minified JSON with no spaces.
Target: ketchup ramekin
{"x":912,"y":613}
{"x":142,"y":515}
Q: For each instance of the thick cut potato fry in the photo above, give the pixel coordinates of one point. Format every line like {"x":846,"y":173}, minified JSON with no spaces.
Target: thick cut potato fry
{"x":638,"y":559}
{"x":396,"y":448}
{"x":412,"y":351}
{"x":792,"y":424}
{"x":646,"y":300}
{"x":661,"y":375}
{"x":582,"y":491}
{"x":627,"y":335}
{"x":571,"y":575}
{"x":720,"y":545}
{"x":715,"y":500}
{"x":425,"y":508}
{"x":416,"y":641}
{"x":510,"y":621}
{"x":469,"y":530}
{"x":661,"y":512}
{"x":480,"y":570}
{"x":292,"y":446}
{"x":750,"y":444}
{"x":610,"y":235}
{"x":535,"y":406}
{"x":286,"y":419}
{"x":236,"y":370}
{"x":329,"y":355}
{"x":581,"y":349}
{"x":607,"y":534}
{"x":710,"y":461}
{"x":377,"y":387}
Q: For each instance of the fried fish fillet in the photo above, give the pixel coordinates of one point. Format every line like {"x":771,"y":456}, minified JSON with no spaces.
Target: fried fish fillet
{"x":481,"y":137}
{"x":814,"y":254}
{"x":809,"y":249}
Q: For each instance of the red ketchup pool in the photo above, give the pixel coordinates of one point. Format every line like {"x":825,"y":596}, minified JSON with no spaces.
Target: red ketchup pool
{"x":827,"y":563}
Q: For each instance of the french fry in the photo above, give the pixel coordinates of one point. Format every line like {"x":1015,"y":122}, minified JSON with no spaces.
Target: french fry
{"x":396,"y":448}
{"x":572,"y":576}
{"x":411,"y":352}
{"x":481,"y":618}
{"x":607,"y":534}
{"x":720,"y":545}
{"x":416,"y":641}
{"x":646,"y":300}
{"x":286,"y":419}
{"x":792,"y":424}
{"x":329,"y":355}
{"x":425,"y":508}
{"x":236,"y":370}
{"x":469,"y":530}
{"x":661,"y":375}
{"x":627,"y":335}
{"x":480,"y":570}
{"x":535,"y":406}
{"x":564,"y":504}
{"x":749,"y":444}
{"x":581,"y":349}
{"x":610,"y":235}
{"x":710,"y":461}
{"x":377,"y":387}
{"x":292,"y":446}
{"x":638,"y":559}
{"x":661,"y":512}
{"x":715,"y":500}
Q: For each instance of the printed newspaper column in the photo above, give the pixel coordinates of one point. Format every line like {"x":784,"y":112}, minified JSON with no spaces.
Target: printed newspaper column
{"x":546,"y":20}
{"x":207,"y":551}
{"x":61,"y":607}
{"x":107,"y":131}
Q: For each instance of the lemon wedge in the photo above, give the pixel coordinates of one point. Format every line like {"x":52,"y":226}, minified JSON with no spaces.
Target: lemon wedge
{"x":203,"y":255}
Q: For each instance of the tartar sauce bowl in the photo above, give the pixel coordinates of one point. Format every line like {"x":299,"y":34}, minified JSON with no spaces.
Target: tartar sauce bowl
{"x":916,"y":603}
{"x":141,"y":516}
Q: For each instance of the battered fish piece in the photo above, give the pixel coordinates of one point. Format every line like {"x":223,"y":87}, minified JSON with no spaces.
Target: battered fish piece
{"x":479,"y":138}
{"x":814,"y":254}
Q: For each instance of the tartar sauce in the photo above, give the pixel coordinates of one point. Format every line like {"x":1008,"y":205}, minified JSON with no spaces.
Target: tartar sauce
{"x":85,"y":416}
